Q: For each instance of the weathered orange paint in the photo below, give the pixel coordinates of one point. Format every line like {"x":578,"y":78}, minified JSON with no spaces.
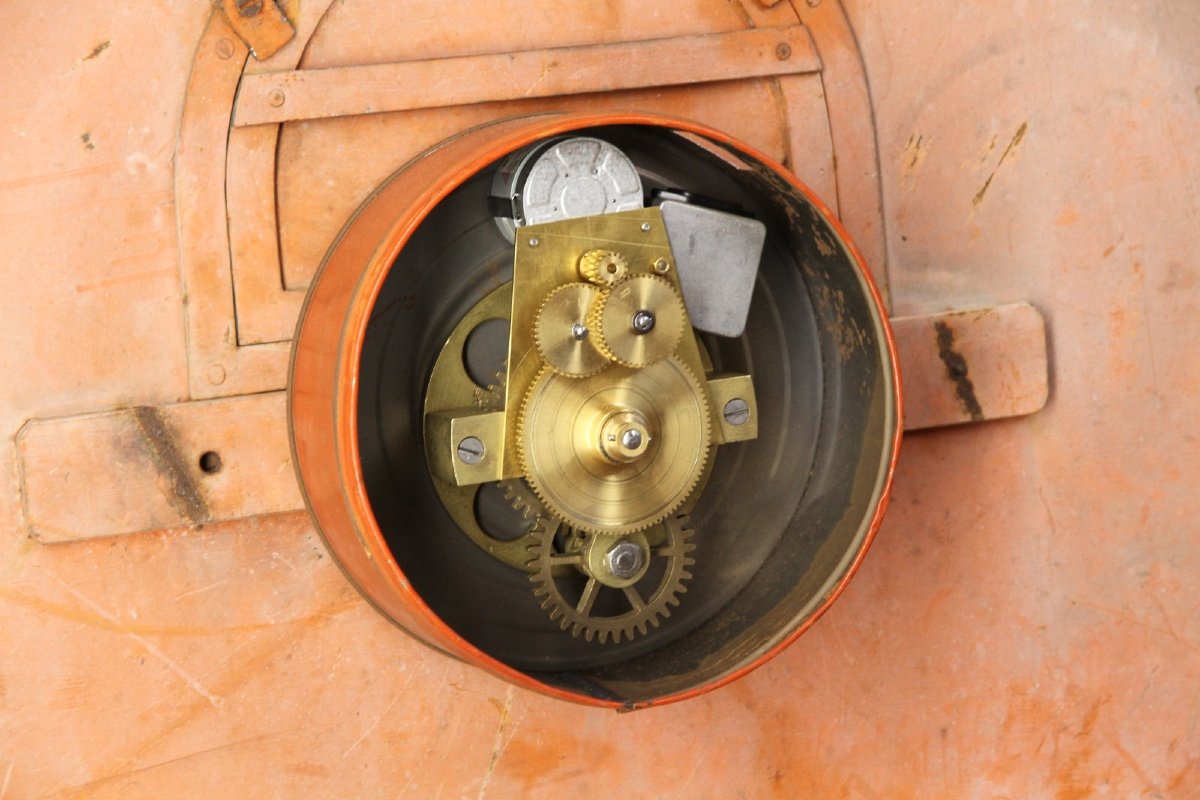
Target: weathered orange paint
{"x":1026,"y":623}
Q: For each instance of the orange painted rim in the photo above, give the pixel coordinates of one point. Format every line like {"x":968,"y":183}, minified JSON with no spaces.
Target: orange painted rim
{"x":322,"y":390}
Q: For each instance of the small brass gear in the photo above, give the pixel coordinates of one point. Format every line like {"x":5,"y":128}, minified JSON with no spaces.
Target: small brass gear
{"x":578,"y":454}
{"x":638,"y":321}
{"x":599,"y":610}
{"x":603,"y":267}
{"x":561,"y":333}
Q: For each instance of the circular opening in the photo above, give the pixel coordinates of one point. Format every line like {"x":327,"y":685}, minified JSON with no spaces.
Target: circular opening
{"x":210,"y":462}
{"x":485,"y":351}
{"x":782,"y":519}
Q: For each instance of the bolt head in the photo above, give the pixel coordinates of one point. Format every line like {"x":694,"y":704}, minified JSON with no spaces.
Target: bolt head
{"x":624,"y":560}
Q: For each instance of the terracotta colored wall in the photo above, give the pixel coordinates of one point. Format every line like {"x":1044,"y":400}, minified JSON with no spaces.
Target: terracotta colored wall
{"x":1027,"y":624}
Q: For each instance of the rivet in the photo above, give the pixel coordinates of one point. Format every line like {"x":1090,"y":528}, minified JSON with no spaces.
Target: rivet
{"x":645,"y":226}
{"x":276,"y":97}
{"x":534,"y":242}
{"x":215,"y":374}
{"x":784,"y":51}
{"x":224,"y":48}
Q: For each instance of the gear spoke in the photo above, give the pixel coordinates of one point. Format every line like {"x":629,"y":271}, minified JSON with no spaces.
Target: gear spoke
{"x":635,"y":599}
{"x":588,"y":599}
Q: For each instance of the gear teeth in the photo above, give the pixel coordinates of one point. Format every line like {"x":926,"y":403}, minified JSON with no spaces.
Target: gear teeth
{"x":628,"y":626}
{"x":644,"y":524}
{"x":675,"y":316}
{"x":523,"y":501}
{"x":551,"y":331}
{"x":603,"y":267}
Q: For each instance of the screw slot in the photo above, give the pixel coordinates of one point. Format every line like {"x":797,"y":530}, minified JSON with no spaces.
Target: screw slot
{"x":471,"y":450}
{"x":643,"y":321}
{"x":210,"y":462}
{"x":737,"y":411}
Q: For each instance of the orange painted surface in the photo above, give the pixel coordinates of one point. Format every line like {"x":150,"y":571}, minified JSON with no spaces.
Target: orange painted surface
{"x":1026,"y":624}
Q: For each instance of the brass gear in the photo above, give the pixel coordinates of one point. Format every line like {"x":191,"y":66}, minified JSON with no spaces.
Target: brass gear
{"x":569,"y":443}
{"x":561,"y":333}
{"x":603,"y":267}
{"x":632,"y":613}
{"x":522,"y":499}
{"x":616,"y":315}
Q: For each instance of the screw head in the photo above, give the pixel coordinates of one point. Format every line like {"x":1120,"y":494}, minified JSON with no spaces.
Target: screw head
{"x":624,"y":560}
{"x":579,"y":331}
{"x":471,"y":450}
{"x":646,"y":226}
{"x":631,"y":439}
{"x":661,"y":266}
{"x":643,"y":321}
{"x":737,"y":411}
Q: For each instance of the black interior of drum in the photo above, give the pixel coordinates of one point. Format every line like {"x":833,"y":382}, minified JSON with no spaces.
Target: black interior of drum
{"x":779,"y":515}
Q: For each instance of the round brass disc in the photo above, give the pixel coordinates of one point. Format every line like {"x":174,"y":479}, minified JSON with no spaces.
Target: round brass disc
{"x":612,"y":320}
{"x":561,"y":331}
{"x":562,"y":457}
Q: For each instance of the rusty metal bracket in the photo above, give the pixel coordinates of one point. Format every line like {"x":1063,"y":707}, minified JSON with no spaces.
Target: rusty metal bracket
{"x":972,"y":366}
{"x":261,"y":24}
{"x":153,"y":467}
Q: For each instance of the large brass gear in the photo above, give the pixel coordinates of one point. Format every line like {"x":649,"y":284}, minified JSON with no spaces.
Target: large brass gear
{"x":638,"y":321}
{"x":561,"y":333}
{"x":602,"y":611}
{"x":603,"y":267}
{"x":576,"y":451}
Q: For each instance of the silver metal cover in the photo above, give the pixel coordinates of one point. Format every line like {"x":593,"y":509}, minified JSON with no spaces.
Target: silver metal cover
{"x":717,"y":256}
